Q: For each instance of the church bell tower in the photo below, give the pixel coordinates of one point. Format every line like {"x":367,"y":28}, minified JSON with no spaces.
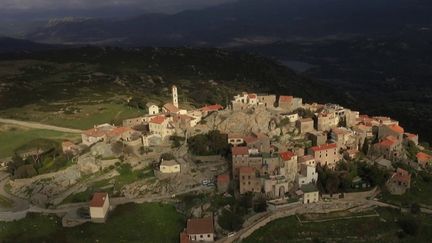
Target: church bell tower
{"x":175,"y":96}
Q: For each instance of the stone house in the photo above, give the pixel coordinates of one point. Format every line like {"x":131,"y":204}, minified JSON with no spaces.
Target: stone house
{"x":223,"y":182}
{"x":249,"y":180}
{"x":423,"y":159}
{"x":162,"y":126}
{"x":307,"y":160}
{"x":267,"y":101}
{"x":200,"y":230}
{"x":326,"y":154}
{"x":310,"y":194}
{"x":391,"y":130}
{"x":289,"y":103}
{"x":169,"y":167}
{"x":327,"y":121}
{"x":240,"y":157}
{"x":389,"y":147}
{"x":317,"y":137}
{"x":97,"y":134}
{"x":258,"y":141}
{"x":305,"y":125}
{"x":399,"y":182}
{"x":289,"y":167}
{"x":135,"y":121}
{"x":344,"y":138}
{"x":244,"y":100}
{"x":276,"y":186}
{"x":69,"y":147}
{"x":362,"y":132}
{"x":99,"y":207}
{"x":410,"y":137}
{"x":291,"y":117}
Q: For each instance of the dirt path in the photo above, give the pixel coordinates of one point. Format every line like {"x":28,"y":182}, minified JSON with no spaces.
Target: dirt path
{"x":39,"y":126}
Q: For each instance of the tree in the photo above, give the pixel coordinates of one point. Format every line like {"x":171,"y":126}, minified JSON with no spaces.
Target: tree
{"x":332,"y":184}
{"x":229,"y":220}
{"x":409,"y":225}
{"x":415,"y":208}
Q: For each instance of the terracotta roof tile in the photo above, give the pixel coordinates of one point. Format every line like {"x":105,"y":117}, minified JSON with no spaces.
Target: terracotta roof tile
{"x":98,"y":199}
{"x":158,"y":120}
{"x":396,"y":128}
{"x":240,"y":150}
{"x":286,"y":155}
{"x":324,"y":147}
{"x":200,"y":226}
{"x":285,"y":99}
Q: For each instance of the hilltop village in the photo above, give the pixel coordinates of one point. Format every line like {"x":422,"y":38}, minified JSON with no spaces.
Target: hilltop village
{"x":276,"y":150}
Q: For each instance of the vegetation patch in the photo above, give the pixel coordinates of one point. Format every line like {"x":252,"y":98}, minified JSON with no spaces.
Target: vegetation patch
{"x":149,"y":222}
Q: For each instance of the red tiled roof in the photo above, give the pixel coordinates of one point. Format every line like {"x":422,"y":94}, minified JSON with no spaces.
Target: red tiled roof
{"x":240,"y":150}
{"x":211,"y":108}
{"x":402,"y":175}
{"x":158,"y":120}
{"x":423,"y":157}
{"x":98,"y":199}
{"x":200,"y":226}
{"x":223,"y":178}
{"x":95,"y":132}
{"x":324,"y":147}
{"x":286,"y":155}
{"x":246,"y":170}
{"x":410,"y":135}
{"x":250,"y":139}
{"x":252,"y":96}
{"x":396,"y":128}
{"x":118,"y":131}
{"x":285,"y":99}
{"x":387,"y":143}
{"x":171,"y":108}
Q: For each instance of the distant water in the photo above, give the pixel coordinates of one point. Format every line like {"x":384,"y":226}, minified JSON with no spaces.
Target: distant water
{"x":297,"y":66}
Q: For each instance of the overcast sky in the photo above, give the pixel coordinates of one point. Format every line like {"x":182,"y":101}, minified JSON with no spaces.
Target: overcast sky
{"x":80,"y":4}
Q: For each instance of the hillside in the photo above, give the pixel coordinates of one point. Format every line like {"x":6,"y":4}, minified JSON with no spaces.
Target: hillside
{"x":246,"y":21}
{"x":93,"y":75}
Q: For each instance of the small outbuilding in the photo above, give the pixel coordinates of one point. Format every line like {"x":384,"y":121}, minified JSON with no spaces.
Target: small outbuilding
{"x":169,"y":166}
{"x":99,"y":207}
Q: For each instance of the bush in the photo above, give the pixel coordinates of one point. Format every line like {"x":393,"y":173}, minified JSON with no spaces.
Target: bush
{"x":230,"y":221}
{"x":409,"y":225}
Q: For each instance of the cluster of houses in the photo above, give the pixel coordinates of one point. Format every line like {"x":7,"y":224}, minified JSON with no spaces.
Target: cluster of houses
{"x":150,"y":129}
{"x":261,"y":165}
{"x":334,"y":133}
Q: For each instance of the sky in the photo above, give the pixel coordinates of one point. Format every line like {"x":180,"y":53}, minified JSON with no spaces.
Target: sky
{"x":151,"y":5}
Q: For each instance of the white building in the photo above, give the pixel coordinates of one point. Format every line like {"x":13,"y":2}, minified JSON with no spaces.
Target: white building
{"x":310,"y":194}
{"x":169,"y":167}
{"x":99,"y":206}
{"x":200,"y":230}
{"x":308,"y":175}
{"x":152,"y":109}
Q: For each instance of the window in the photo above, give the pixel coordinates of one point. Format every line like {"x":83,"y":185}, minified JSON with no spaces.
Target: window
{"x":201,"y":236}
{"x":208,"y":236}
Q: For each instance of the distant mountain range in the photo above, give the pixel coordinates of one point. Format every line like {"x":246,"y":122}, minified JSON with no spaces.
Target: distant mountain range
{"x":18,"y":45}
{"x":246,"y":22}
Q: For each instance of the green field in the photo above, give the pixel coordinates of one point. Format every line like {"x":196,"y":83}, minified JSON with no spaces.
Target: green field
{"x":13,"y":137}
{"x":82,"y":116}
{"x":151,"y":222}
{"x":375,"y":229}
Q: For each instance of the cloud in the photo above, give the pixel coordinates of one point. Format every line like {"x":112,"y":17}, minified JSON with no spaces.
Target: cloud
{"x":85,"y":4}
